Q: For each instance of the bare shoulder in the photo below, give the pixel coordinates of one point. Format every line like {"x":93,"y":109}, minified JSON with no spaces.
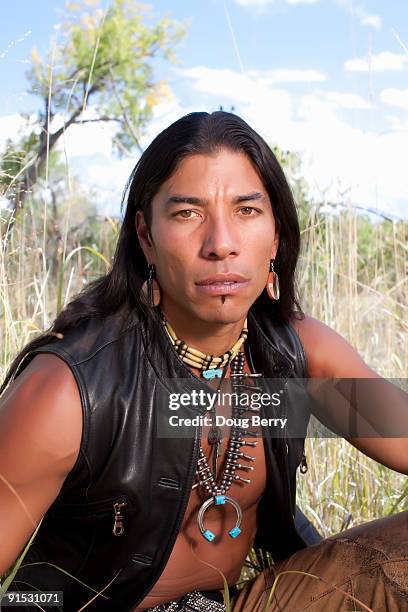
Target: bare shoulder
{"x":41,"y":409}
{"x":40,"y":436}
{"x":328,"y":353}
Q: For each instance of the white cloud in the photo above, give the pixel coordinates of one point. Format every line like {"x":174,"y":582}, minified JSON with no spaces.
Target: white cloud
{"x":365,"y":18}
{"x":253,"y":83}
{"x":88,"y":139}
{"x":79,"y":139}
{"x":14,"y":127}
{"x":395,"y":97}
{"x":347,"y":100}
{"x":107,"y":173}
{"x":9,"y":127}
{"x":285,"y":75}
{"x":372,"y":20}
{"x":235,"y":86}
{"x":382,"y":62}
{"x":262,"y":84}
{"x":338,"y":157}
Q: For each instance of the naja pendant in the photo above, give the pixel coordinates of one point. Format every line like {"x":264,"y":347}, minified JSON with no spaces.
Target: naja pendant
{"x":219,"y":500}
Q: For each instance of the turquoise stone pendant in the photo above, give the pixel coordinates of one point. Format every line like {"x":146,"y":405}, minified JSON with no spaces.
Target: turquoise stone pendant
{"x":215,"y":372}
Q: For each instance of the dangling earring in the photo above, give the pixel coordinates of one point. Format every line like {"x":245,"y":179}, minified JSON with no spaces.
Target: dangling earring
{"x":272,"y":284}
{"x":150,"y":292}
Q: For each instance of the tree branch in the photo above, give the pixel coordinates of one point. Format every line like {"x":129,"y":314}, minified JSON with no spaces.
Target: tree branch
{"x":97,"y":120}
{"x":125,"y":115}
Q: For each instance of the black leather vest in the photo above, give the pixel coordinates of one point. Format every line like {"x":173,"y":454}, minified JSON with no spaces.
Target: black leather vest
{"x":120,"y":368}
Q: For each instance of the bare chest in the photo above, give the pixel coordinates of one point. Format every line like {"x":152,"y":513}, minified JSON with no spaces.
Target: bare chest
{"x":195,"y":562}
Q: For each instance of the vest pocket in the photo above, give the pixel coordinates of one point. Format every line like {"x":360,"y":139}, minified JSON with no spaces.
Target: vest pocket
{"x":93,"y":509}
{"x":85,"y":533}
{"x":88,"y":508}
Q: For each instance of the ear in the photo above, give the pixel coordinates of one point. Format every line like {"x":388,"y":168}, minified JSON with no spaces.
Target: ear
{"x":144,"y":236}
{"x":275,"y":246}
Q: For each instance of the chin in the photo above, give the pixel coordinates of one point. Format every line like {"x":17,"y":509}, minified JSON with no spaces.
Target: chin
{"x":223,"y":313}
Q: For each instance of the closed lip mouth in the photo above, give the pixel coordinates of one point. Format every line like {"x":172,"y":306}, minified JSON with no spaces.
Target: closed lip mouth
{"x":223,"y":278}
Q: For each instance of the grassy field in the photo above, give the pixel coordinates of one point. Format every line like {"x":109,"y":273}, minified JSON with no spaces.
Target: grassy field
{"x":352,"y":275}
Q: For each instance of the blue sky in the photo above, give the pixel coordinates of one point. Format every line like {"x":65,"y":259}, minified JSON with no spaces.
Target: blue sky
{"x":327,"y":78}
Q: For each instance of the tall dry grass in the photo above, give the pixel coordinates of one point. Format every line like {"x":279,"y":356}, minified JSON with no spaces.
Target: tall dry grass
{"x":352,"y":275}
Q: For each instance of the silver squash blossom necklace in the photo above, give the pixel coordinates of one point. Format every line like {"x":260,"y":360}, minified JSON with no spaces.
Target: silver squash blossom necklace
{"x":207,"y":477}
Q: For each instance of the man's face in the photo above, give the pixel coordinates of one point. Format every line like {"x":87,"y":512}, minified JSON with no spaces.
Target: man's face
{"x":192,"y":241}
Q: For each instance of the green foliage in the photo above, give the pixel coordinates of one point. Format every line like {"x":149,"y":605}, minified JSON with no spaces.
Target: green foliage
{"x":102,"y":64}
{"x":291,"y":164}
{"x":17,"y":157}
{"x":105,"y":60}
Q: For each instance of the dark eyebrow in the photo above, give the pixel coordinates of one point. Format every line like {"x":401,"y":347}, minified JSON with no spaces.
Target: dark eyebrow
{"x":179,"y":199}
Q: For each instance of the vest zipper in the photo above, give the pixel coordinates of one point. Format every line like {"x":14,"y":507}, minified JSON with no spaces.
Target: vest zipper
{"x":285,"y":439}
{"x":303,"y":462}
{"x":118,"y":527}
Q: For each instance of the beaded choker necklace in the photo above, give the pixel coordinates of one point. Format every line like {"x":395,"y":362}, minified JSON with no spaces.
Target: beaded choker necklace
{"x":209,"y":365}
{"x":206,"y":477}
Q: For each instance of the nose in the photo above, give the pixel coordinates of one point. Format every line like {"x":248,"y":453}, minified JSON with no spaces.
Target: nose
{"x":221,"y":237}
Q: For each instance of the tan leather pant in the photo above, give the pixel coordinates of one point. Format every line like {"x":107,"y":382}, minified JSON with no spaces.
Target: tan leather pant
{"x":368,"y":562}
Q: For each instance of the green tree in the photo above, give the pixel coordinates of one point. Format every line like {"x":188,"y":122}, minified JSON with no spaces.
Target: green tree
{"x":104,"y":65}
{"x":291,"y":163}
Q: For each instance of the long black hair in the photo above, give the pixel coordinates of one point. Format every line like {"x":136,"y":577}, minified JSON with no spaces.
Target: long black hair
{"x":195,"y":133}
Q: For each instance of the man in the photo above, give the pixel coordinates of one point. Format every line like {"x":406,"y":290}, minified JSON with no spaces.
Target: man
{"x":211,"y":221}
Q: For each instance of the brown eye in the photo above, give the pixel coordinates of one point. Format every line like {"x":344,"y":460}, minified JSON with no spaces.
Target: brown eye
{"x":186,"y":210}
{"x":248,"y":208}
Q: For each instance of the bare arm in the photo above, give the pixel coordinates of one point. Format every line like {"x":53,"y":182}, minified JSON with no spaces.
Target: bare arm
{"x":330,"y":356}
{"x":40,"y":436}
